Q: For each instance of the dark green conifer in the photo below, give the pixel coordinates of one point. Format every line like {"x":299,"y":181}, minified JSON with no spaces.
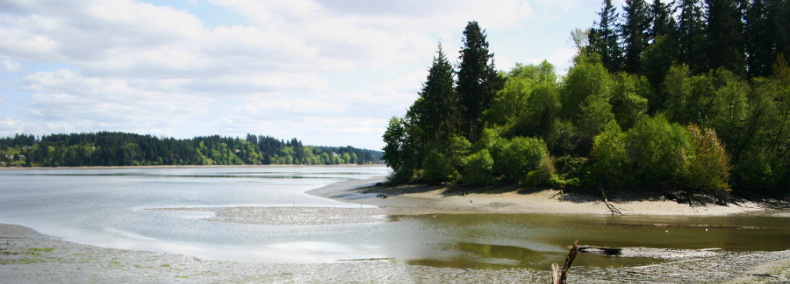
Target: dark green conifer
{"x":726,"y":46}
{"x":439,"y":100}
{"x":604,"y":38}
{"x":691,"y":36}
{"x":634,"y":32}
{"x":478,"y":80}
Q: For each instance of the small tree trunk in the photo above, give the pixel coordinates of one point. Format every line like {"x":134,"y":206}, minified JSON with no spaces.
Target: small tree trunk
{"x":473,"y":130}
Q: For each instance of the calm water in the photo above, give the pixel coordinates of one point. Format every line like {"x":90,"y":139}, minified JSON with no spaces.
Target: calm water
{"x":103,"y":207}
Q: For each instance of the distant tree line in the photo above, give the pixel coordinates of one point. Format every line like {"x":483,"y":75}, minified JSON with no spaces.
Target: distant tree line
{"x":128,"y":149}
{"x":694,"y":97}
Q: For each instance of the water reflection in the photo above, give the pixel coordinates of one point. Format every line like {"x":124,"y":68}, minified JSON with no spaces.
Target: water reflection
{"x":102,"y":207}
{"x":535,"y":241}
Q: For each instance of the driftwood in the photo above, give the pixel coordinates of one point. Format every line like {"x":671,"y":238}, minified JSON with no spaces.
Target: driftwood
{"x":559,"y":276}
{"x":606,"y":201}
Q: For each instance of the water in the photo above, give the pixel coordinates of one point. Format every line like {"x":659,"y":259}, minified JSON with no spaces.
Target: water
{"x":105,"y":207}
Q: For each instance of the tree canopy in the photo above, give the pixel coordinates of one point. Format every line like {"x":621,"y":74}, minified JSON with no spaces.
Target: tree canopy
{"x":128,"y":149}
{"x":689,"y":95}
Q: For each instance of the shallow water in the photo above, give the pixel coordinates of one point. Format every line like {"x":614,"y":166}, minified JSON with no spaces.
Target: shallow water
{"x":105,"y":207}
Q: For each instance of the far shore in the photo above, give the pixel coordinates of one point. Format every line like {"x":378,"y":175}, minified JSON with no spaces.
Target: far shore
{"x":181,"y":166}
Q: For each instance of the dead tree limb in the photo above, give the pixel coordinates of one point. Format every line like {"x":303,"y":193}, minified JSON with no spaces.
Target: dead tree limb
{"x":560,"y":277}
{"x":606,"y":201}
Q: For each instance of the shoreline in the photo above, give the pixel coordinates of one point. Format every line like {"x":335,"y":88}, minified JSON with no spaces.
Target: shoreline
{"x":420,"y":199}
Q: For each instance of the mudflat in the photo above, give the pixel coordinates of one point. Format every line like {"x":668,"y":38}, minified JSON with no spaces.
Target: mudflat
{"x":29,"y":257}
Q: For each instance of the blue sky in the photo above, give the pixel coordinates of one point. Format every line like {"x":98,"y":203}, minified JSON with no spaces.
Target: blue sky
{"x":328,"y":72}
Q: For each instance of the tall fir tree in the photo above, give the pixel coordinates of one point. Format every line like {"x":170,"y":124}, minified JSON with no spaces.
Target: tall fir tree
{"x":439,"y":100}
{"x":760,"y":40}
{"x":778,"y":13}
{"x":691,"y":36}
{"x":726,"y":45}
{"x":635,"y":33}
{"x":604,"y":39}
{"x":662,"y":22}
{"x":478,"y":80}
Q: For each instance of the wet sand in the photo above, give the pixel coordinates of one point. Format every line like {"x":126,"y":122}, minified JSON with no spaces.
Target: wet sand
{"x":29,"y":257}
{"x":419,"y":199}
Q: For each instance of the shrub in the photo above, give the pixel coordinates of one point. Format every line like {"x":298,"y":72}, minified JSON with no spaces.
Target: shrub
{"x":708,"y":168}
{"x":543,"y":175}
{"x":437,"y":168}
{"x":520,"y":156}
{"x":657,"y":150}
{"x":479,"y":168}
{"x":609,"y":155}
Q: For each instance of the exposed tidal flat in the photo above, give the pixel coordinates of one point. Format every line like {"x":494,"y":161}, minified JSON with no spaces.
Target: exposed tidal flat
{"x":270,"y":226}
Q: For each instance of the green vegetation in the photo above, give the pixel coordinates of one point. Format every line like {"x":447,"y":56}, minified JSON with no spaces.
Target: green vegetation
{"x":42,"y":249}
{"x":692,"y":97}
{"x":126,"y":149}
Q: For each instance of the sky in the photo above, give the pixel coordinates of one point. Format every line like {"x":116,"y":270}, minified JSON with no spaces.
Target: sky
{"x":327,"y":72}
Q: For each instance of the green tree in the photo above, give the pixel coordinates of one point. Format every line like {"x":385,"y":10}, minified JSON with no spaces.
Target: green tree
{"x":519,"y":156}
{"x":439,"y":100}
{"x":604,"y":38}
{"x":479,"y":168}
{"x":657,"y":150}
{"x":609,"y":156}
{"x":635,"y":33}
{"x":583,"y":80}
{"x":725,"y":36}
{"x":691,"y":36}
{"x":656,"y":61}
{"x":708,"y":168}
{"x":628,"y":100}
{"x":478,"y":80}
{"x":663,"y":24}
{"x":759,"y":35}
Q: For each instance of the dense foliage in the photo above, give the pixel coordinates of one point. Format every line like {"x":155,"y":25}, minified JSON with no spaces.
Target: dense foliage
{"x":127,"y":149}
{"x":688,"y":95}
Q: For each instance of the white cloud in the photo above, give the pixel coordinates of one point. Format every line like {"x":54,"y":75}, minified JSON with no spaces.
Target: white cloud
{"x":10,"y":65}
{"x":126,"y":65}
{"x":562,"y":59}
{"x":65,"y":95}
{"x":9,"y":127}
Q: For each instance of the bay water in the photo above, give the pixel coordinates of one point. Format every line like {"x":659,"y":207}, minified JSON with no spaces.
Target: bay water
{"x":107,"y":207}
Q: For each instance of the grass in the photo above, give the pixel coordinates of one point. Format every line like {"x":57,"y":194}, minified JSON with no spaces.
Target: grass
{"x":19,"y":261}
{"x":42,"y":249}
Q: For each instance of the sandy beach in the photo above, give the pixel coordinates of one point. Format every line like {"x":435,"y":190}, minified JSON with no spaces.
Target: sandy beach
{"x":420,"y":199}
{"x":29,"y":257}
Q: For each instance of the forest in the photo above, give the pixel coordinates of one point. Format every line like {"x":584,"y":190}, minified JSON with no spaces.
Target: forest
{"x":128,"y":149}
{"x":692,"y":95}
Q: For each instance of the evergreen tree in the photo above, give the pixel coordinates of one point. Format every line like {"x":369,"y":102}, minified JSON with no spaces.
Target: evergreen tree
{"x":691,"y":36}
{"x":661,"y":19}
{"x":439,"y":100}
{"x":478,"y":80}
{"x":760,"y":40}
{"x":604,"y":39}
{"x":635,"y":32}
{"x":725,"y":36}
